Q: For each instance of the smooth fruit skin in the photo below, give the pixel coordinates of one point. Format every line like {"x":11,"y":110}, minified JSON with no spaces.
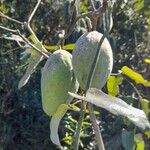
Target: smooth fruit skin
{"x":83,"y":56}
{"x":57,"y":79}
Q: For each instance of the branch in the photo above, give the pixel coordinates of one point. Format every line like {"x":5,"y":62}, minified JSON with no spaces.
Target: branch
{"x":89,"y":14}
{"x":9,"y":18}
{"x":30,"y":44}
{"x":11,"y":50}
{"x":134,"y":87}
{"x":34,"y":10}
{"x":27,"y":24}
{"x":76,"y":140}
{"x":98,"y":136}
{"x":7,"y":29}
{"x":26,"y":40}
{"x":92,"y":5}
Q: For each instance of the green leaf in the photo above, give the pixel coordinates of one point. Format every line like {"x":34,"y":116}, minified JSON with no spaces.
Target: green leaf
{"x":139,"y":5}
{"x":34,"y":60}
{"x":127,"y":139}
{"x":140,"y":145}
{"x":69,"y":46}
{"x":116,"y":106}
{"x":145,"y":106}
{"x":147,"y":60}
{"x":51,"y":48}
{"x":113,"y":83}
{"x":69,"y":128}
{"x":147,"y":133}
{"x":55,"y":47}
{"x":74,"y":107}
{"x":4,"y":9}
{"x":72,"y":120}
{"x":68,"y":140}
{"x":86,"y":123}
{"x":54,"y":123}
{"x":138,"y":78}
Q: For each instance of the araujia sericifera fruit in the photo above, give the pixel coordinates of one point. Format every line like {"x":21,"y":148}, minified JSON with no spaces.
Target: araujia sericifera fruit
{"x":83,"y":57}
{"x":57,"y":79}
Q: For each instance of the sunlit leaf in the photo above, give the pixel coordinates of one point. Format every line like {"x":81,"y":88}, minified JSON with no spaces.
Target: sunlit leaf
{"x":4,"y":9}
{"x":147,"y":60}
{"x":55,"y":47}
{"x":69,"y":46}
{"x":74,"y":107}
{"x":140,"y":145}
{"x":147,"y":133}
{"x":127,"y":139}
{"x":83,"y":135}
{"x":34,"y":60}
{"x":145,"y":106}
{"x":69,"y":128}
{"x":86,"y":123}
{"x":113,"y":83}
{"x":68,"y":140}
{"x":72,"y":120}
{"x":54,"y":123}
{"x":139,"y":4}
{"x":95,"y":112}
{"x":138,"y":78}
{"x":116,"y":106}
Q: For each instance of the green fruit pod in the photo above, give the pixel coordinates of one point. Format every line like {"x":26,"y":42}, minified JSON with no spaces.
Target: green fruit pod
{"x":57,"y":79}
{"x":85,"y":57}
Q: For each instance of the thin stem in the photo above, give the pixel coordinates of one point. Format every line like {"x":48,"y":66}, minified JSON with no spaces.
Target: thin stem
{"x":88,"y":14}
{"x":90,"y":78}
{"x":27,"y":24}
{"x":134,"y":87}
{"x":11,"y":50}
{"x":76,"y":141}
{"x":26,"y":40}
{"x":30,"y":44}
{"x":11,"y":19}
{"x":98,"y":135}
{"x":34,"y":10}
{"x":7,"y":29}
{"x":92,"y":5}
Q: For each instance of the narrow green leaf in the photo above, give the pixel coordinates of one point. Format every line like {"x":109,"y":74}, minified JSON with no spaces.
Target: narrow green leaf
{"x":140,"y":145}
{"x":147,"y":133}
{"x":54,"y":123}
{"x":138,"y":78}
{"x":34,"y":60}
{"x":55,"y":47}
{"x":139,"y":4}
{"x":145,"y":106}
{"x":69,"y":46}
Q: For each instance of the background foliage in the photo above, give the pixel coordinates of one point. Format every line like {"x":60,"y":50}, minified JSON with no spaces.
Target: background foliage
{"x":23,"y":124}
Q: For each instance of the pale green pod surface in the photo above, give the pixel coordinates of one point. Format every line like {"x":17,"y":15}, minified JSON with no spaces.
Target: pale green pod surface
{"x":57,"y":79}
{"x":84,"y":54}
